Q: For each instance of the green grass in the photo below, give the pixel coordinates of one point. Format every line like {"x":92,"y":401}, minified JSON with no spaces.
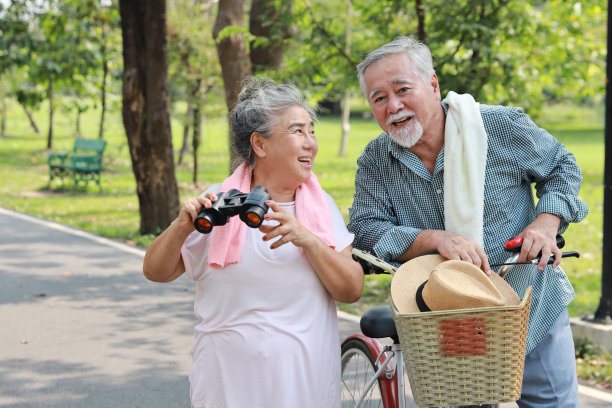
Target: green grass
{"x":113,"y":212}
{"x":581,"y":130}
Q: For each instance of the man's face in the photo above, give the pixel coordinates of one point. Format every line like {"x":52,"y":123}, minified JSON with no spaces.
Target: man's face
{"x":401,"y":103}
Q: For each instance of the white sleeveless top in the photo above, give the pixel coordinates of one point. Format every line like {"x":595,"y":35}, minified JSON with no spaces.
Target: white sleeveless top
{"x":268,"y":331}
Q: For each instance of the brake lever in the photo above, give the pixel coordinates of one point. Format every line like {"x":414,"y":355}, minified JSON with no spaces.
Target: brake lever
{"x":536,"y":260}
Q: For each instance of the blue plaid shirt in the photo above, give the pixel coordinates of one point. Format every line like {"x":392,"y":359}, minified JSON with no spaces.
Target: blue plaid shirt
{"x":396,"y":197}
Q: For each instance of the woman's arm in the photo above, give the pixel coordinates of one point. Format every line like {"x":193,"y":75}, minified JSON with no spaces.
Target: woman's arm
{"x":163,"y":261}
{"x":339,"y":273}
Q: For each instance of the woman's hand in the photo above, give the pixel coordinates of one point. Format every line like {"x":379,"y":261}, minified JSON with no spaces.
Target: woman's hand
{"x":337,"y":271}
{"x":191,"y":208}
{"x":163,"y":261}
{"x":289,"y":228}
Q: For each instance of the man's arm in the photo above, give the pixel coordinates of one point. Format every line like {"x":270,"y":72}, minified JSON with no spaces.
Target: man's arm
{"x":372,"y":217}
{"x":557,"y":179}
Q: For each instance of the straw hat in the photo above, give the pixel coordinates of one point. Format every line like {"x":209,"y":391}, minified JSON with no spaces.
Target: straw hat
{"x":435,"y":283}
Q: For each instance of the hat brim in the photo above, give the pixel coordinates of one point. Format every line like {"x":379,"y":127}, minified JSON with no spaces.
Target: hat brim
{"x":408,"y":277}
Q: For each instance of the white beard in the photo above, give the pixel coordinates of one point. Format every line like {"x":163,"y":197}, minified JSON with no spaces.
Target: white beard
{"x":407,"y":136}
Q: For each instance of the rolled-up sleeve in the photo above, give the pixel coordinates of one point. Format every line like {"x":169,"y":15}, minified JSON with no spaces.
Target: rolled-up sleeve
{"x":552,"y":168}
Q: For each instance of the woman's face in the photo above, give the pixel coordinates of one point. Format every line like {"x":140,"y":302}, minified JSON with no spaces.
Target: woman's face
{"x":291,"y":149}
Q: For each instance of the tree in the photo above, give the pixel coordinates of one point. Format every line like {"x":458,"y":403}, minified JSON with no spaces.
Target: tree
{"x":146,"y":111}
{"x":105,"y":30}
{"x":270,"y":28}
{"x":193,"y":67}
{"x":501,"y":52}
{"x":49,"y":42}
{"x":233,"y":56}
{"x":15,"y":43}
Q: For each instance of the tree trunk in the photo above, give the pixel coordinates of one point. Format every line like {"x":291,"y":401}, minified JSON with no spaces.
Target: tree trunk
{"x":346,"y":100}
{"x":146,"y":111}
{"x":197,"y":111}
{"x":185,"y":146}
{"x":198,"y":125}
{"x":3,"y":118}
{"x":50,"y":95}
{"x":103,"y":90}
{"x":33,"y":124}
{"x":235,"y":64}
{"x":78,"y":123}
{"x":266,"y":20}
{"x":346,"y":127}
{"x":420,"y":12}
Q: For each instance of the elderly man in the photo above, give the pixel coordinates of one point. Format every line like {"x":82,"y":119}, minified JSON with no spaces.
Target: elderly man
{"x":455,"y":177}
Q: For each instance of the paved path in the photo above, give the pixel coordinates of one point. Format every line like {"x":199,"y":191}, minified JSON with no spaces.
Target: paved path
{"x":81,"y":327}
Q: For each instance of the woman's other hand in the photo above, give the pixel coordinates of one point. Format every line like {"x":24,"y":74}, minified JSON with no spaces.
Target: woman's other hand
{"x":289,"y":229}
{"x":339,"y":273}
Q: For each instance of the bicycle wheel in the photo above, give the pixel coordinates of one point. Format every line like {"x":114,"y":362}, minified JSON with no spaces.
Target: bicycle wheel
{"x":357,"y":370}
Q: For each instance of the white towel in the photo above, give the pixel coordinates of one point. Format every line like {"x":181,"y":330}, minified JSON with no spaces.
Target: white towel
{"x":465,"y":158}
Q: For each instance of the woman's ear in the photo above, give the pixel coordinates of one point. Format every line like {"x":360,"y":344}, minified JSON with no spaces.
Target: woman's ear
{"x":258,"y":144}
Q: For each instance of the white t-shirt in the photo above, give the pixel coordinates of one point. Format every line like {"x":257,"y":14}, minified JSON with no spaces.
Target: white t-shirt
{"x":268,"y":331}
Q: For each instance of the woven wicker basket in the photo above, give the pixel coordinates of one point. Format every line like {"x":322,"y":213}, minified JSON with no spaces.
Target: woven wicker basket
{"x":465,"y":357}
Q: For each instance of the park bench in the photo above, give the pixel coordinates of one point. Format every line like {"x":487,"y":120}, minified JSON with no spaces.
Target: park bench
{"x":83,"y":163}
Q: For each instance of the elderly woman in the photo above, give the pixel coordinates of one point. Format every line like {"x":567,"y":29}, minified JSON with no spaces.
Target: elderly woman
{"x":265,"y":297}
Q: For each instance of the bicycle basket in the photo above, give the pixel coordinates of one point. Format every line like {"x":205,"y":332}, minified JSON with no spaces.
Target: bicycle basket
{"x":465,"y":357}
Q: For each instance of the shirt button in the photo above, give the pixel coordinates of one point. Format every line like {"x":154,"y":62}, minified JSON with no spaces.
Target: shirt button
{"x":439,"y":191}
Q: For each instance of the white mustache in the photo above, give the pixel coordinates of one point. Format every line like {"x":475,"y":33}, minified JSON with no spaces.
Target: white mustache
{"x":399,"y":116}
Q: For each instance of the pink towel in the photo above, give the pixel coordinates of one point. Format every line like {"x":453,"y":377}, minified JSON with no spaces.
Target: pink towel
{"x":310,"y":207}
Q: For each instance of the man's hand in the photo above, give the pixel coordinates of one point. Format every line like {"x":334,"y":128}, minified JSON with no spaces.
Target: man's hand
{"x":540,"y":236}
{"x":450,"y":246}
{"x":453,"y":246}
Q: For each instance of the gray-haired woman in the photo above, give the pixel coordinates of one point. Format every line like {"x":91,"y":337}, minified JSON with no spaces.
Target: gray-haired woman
{"x":265,"y":298}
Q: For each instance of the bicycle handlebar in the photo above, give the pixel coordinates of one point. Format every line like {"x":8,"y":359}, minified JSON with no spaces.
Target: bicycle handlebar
{"x":514,"y":246}
{"x":374,"y":265}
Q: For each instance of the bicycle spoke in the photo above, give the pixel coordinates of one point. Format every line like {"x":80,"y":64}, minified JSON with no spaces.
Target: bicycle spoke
{"x":357,"y":370}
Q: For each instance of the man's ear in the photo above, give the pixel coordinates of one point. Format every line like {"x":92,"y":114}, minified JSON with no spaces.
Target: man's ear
{"x":258,"y":144}
{"x":434,"y":83}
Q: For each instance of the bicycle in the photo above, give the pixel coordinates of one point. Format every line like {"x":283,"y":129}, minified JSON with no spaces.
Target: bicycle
{"x":373,"y":374}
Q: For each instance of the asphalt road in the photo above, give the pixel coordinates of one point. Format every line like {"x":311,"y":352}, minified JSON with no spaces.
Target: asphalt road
{"x":81,"y":327}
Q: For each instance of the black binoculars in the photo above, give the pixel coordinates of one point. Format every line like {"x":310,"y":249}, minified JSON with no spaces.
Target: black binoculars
{"x":251,"y":207}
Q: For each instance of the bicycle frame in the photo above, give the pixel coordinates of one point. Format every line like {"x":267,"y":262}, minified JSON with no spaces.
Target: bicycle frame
{"x":390,"y":372}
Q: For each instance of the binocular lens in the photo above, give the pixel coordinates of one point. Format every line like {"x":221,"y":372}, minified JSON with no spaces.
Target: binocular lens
{"x":253,"y":219}
{"x":204,"y":225}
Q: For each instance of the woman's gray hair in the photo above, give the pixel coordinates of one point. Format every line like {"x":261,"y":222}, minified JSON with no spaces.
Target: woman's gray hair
{"x":257,"y":110}
{"x":418,"y":52}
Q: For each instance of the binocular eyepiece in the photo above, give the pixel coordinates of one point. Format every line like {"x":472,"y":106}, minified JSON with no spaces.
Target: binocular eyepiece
{"x":250,"y":206}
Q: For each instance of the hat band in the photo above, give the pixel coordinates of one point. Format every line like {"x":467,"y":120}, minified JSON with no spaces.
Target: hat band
{"x":419,"y":299}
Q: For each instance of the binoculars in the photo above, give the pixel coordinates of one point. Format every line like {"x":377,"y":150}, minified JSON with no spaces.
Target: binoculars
{"x":250,"y":206}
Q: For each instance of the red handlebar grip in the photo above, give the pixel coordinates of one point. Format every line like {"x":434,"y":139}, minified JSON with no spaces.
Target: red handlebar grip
{"x":513,"y":243}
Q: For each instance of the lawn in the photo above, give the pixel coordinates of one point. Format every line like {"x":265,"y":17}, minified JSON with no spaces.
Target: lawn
{"x":113,"y":211}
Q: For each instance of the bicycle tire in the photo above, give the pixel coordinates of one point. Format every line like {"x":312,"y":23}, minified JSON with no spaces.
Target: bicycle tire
{"x":357,"y":364}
